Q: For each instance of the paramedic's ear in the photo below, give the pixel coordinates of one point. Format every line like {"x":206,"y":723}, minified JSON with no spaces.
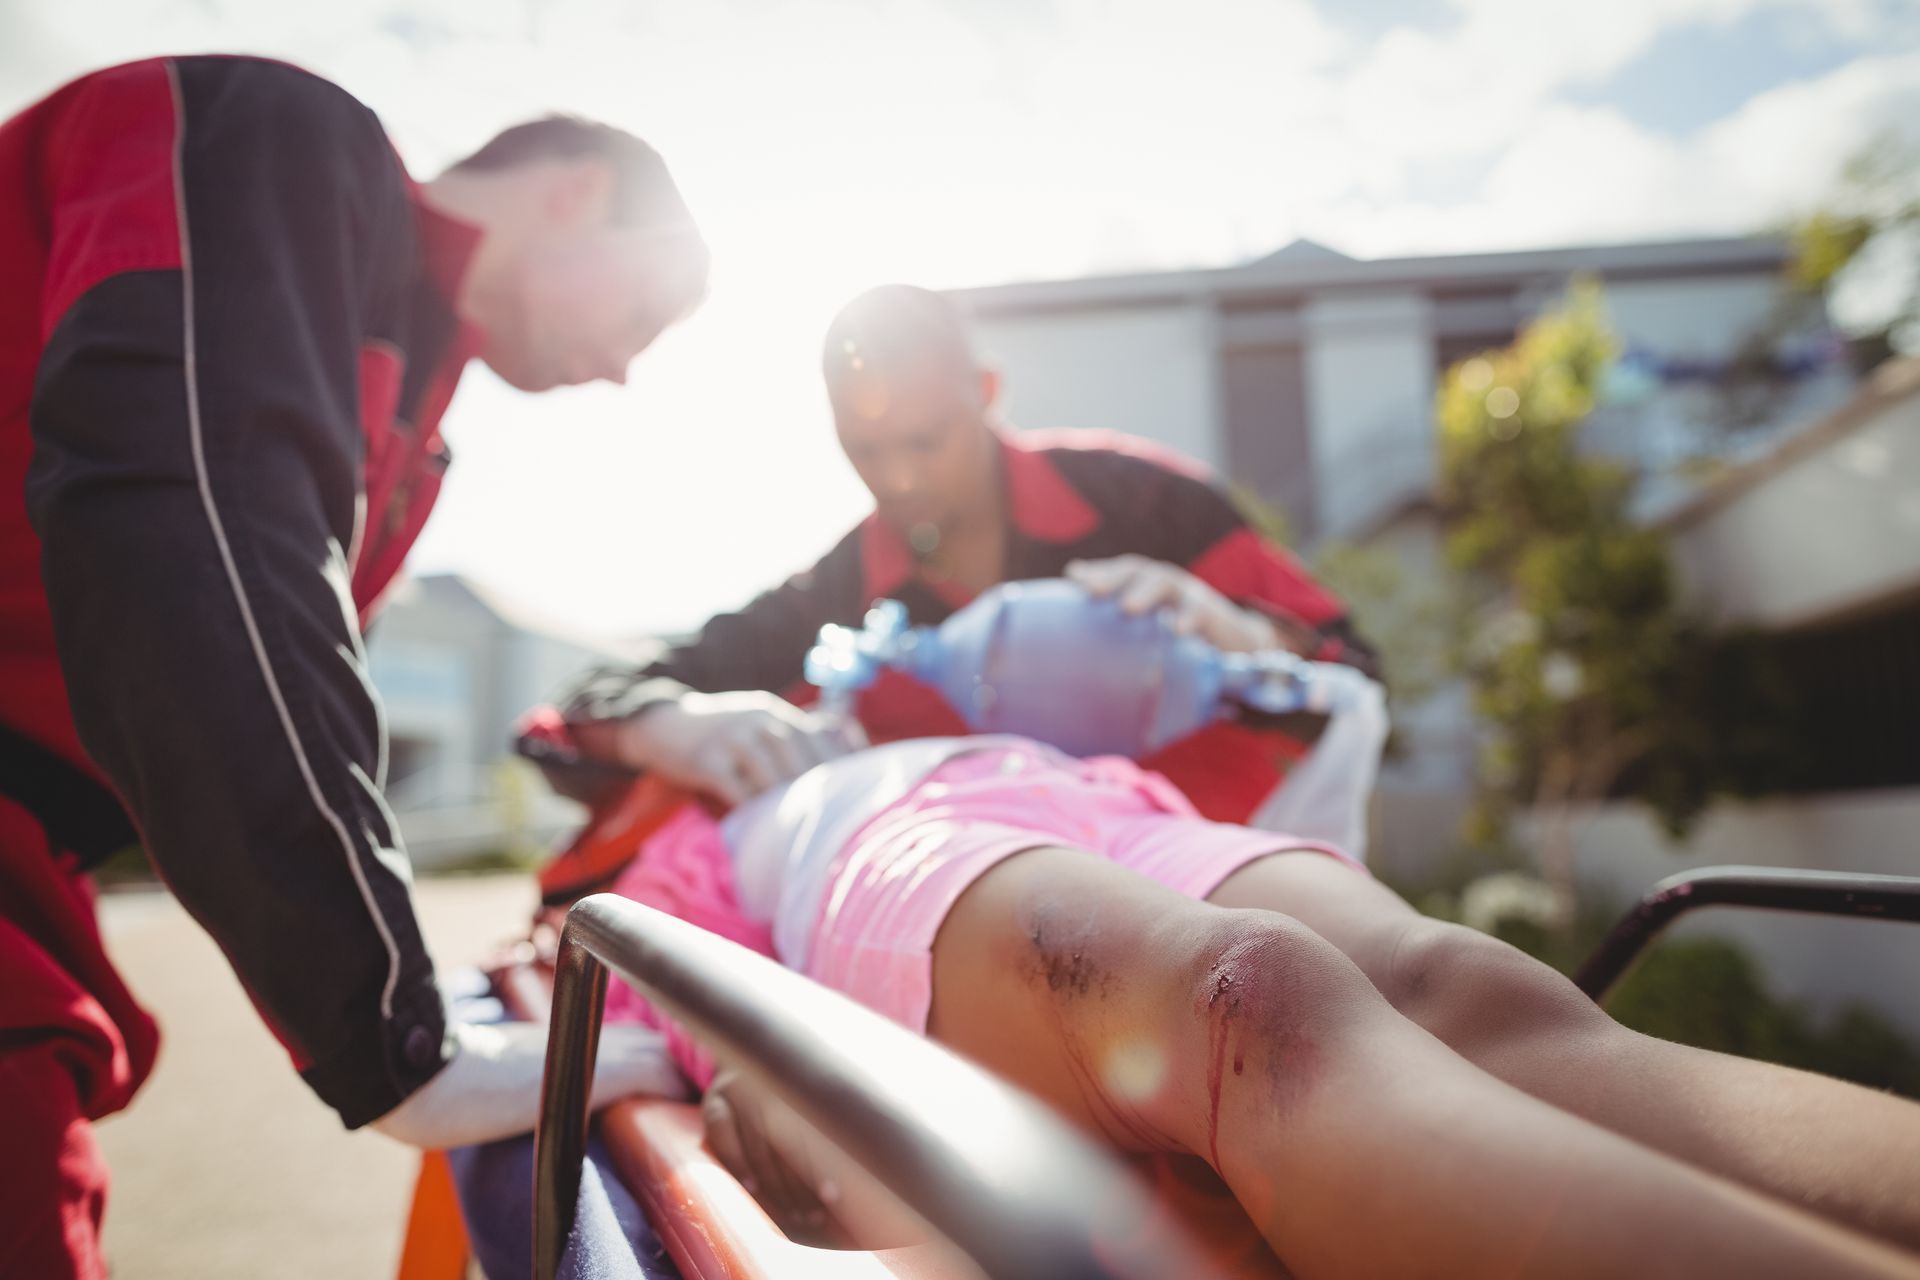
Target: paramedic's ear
{"x":989,"y":387}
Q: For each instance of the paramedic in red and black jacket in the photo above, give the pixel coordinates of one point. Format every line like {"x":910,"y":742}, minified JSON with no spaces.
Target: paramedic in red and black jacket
{"x":229,"y":324}
{"x":960,"y":505}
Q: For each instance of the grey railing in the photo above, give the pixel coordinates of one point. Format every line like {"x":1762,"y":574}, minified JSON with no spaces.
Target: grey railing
{"x":1834,"y":893}
{"x":1001,"y":1177}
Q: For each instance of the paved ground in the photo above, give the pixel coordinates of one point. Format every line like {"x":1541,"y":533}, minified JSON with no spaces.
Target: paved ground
{"x":225,"y":1166}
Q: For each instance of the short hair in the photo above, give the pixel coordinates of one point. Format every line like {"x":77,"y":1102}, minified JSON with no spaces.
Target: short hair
{"x":895,"y":328}
{"x":644,"y":193}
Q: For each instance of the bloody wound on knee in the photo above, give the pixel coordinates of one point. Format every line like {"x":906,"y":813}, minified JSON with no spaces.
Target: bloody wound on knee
{"x":1254,"y":1003}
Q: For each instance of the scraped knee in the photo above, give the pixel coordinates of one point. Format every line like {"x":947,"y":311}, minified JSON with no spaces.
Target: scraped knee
{"x":1272,"y":976}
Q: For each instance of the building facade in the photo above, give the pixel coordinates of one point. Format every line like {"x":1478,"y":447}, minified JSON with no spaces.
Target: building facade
{"x":1308,"y":377}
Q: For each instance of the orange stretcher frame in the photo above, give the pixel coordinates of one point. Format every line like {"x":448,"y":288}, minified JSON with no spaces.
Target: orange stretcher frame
{"x":711,"y":1225}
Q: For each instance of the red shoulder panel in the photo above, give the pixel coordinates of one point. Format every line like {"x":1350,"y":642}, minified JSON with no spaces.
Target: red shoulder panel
{"x":107,"y":177}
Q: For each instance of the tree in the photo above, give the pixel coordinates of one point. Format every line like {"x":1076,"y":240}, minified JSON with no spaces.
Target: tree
{"x":1409,"y":618}
{"x":1584,"y":670}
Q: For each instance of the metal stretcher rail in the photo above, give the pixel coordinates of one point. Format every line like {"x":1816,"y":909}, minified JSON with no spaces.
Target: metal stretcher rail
{"x":1004,"y":1179}
{"x":1834,"y":893}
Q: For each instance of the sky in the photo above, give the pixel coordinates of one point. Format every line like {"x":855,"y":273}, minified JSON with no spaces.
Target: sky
{"x":828,"y":145}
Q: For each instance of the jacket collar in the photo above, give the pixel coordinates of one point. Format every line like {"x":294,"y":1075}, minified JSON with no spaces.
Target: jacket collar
{"x":1041,"y":506}
{"x":447,"y":248}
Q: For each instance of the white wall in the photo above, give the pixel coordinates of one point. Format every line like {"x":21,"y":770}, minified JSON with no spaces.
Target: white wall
{"x":427,"y":690}
{"x":1148,"y":371}
{"x":1835,"y":526}
{"x":1369,"y":359}
{"x":1699,"y":318}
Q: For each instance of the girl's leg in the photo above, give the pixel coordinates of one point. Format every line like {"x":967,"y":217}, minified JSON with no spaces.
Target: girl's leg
{"x":1841,"y":1150}
{"x":1359,"y":1143}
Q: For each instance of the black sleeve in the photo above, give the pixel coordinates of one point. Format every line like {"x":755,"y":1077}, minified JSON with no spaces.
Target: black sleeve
{"x":196,"y":487}
{"x":761,"y":646}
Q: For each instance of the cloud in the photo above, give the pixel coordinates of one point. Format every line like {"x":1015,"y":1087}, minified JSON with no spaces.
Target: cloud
{"x":829,"y":144}
{"x":1576,"y":174}
{"x":1473,"y":87}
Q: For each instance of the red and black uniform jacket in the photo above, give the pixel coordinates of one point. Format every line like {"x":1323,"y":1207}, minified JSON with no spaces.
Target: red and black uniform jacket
{"x":1070,"y":495}
{"x":226,"y":341}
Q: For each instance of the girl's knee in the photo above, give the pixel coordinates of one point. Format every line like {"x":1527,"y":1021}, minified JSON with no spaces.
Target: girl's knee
{"x":1156,"y":1018}
{"x":1271,"y":969}
{"x":1467,"y":988}
{"x":1263,"y":1009}
{"x":1189,"y":960}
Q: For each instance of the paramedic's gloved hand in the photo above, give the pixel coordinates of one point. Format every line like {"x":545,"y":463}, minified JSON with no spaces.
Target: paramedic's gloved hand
{"x":733,"y":746}
{"x":491,"y":1087}
{"x":1141,"y":586}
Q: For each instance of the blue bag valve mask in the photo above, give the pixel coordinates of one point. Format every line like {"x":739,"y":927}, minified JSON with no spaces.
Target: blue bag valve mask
{"x":1049,"y":661}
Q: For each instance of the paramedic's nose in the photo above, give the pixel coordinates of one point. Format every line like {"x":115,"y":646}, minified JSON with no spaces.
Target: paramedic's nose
{"x":613,"y":370}
{"x":899,"y":478}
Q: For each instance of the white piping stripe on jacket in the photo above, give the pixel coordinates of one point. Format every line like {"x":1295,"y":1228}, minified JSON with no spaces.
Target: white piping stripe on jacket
{"x":233,"y":571}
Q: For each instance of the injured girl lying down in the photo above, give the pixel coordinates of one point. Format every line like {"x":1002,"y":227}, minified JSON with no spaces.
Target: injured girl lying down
{"x":1380,"y":1093}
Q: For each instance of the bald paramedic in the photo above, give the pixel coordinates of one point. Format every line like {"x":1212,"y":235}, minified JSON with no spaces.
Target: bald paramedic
{"x":229,"y":324}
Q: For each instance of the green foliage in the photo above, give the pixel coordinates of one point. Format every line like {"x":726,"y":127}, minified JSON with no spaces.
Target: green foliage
{"x":1588,"y":676}
{"x":1509,"y":474}
{"x":1515,"y":488}
{"x":1577,"y":628}
{"x":1413,"y":622}
{"x":1729,"y":726}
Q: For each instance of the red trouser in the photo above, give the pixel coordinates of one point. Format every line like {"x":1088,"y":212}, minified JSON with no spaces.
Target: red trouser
{"x":73,"y":1047}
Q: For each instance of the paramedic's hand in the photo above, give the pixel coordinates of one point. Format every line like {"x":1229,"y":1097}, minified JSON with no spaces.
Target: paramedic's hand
{"x":733,"y":746}
{"x":814,"y":1190}
{"x":755,"y":1137}
{"x":491,"y":1087}
{"x":1192,"y":607}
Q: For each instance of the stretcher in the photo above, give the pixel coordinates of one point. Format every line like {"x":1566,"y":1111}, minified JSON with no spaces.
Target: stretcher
{"x":997,"y":1202}
{"x":706,"y":1223}
{"x":1005,"y":1187}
